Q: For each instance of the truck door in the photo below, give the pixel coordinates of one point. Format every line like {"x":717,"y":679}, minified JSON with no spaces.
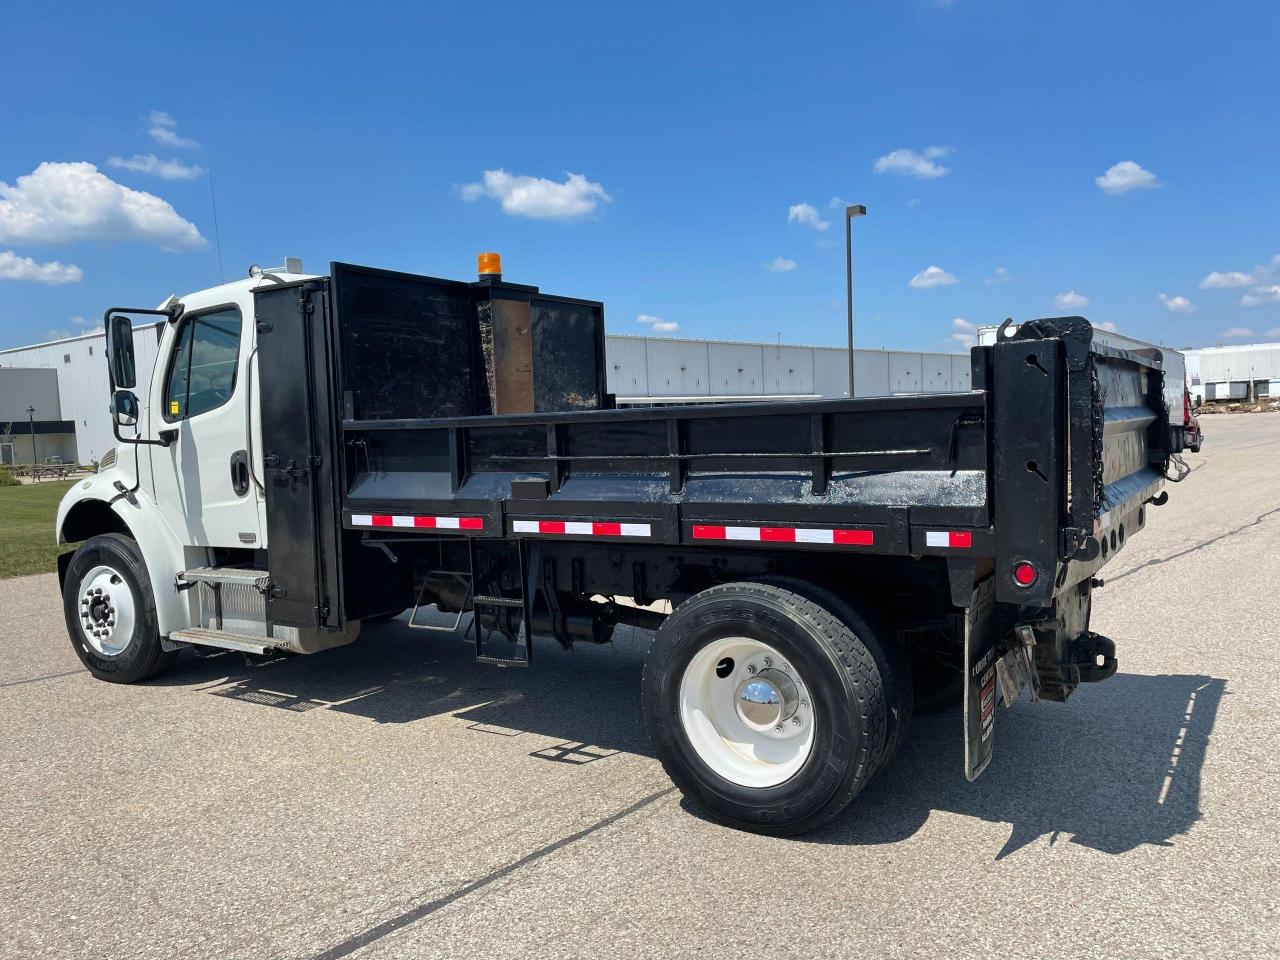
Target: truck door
{"x":199,"y":394}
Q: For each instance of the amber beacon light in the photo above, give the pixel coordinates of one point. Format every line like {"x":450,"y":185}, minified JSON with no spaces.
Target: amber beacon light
{"x":489,"y":265}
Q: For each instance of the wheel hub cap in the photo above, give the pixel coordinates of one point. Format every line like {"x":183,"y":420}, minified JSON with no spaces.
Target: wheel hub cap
{"x":767,"y":699}
{"x":106,"y":611}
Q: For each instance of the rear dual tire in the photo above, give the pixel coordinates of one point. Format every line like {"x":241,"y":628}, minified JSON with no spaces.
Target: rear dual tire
{"x":769,"y":708}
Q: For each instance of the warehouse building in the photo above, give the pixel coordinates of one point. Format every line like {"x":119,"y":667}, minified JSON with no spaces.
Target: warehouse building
{"x":66,"y":380}
{"x":1247,"y":371}
{"x":66,"y":383}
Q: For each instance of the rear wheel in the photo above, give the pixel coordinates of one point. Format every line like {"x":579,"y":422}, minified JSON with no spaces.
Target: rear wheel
{"x":110,"y":612}
{"x":766,"y":708}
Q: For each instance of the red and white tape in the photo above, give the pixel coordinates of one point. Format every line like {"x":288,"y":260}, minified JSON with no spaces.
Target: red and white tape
{"x":844,"y":536}
{"x":955,"y":539}
{"x":416,"y":522}
{"x":583,"y":528}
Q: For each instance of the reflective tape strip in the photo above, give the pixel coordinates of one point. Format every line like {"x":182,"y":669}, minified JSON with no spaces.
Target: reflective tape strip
{"x":1102,"y":522}
{"x":836,"y":536}
{"x":959,"y":539}
{"x":583,"y":528}
{"x":416,"y":522}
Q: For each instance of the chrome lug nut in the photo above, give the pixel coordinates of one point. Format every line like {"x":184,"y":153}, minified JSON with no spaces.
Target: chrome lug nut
{"x":796,"y":721}
{"x":778,"y":728}
{"x":751,"y":669}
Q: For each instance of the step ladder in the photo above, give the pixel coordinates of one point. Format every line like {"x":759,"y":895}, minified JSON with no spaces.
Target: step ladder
{"x":500,"y":621}
{"x":229,"y":597}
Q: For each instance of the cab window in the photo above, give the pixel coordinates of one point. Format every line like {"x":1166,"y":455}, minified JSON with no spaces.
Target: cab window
{"x":202,"y":374}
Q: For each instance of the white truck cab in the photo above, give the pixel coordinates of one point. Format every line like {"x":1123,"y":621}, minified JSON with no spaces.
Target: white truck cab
{"x":186,"y":483}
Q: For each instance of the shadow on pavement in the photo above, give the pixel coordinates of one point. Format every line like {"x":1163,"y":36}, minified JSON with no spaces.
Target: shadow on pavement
{"x":1115,"y":767}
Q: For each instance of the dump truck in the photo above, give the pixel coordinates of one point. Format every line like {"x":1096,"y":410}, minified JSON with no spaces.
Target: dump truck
{"x":312,"y":453}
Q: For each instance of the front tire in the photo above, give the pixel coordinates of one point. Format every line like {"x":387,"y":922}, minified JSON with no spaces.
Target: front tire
{"x":764,"y":707}
{"x":110,"y":612}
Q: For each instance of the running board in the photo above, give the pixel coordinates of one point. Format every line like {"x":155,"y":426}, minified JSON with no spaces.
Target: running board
{"x":204,"y":637}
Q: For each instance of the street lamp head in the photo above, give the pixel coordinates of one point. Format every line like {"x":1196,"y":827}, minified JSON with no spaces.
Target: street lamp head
{"x":855,"y":210}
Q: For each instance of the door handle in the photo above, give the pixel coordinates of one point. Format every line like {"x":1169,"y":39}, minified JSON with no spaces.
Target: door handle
{"x":240,"y":472}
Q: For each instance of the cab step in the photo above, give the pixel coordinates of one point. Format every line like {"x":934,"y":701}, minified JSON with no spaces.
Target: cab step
{"x":237,"y":576}
{"x":245,"y":643}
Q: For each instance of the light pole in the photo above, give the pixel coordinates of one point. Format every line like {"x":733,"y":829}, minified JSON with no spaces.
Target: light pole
{"x":851,"y":211}
{"x":31,"y":421}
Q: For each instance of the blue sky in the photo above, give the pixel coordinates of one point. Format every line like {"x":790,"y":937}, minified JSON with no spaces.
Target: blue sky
{"x":695,"y":132}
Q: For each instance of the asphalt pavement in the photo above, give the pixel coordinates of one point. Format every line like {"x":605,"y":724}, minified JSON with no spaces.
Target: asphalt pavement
{"x":395,"y":799}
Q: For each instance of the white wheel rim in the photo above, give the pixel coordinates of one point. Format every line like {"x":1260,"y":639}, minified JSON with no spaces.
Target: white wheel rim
{"x":753,"y":725}
{"x":106,"y":610}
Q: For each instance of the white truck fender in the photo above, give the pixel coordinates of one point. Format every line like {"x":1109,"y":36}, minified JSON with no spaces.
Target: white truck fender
{"x":161,"y":549}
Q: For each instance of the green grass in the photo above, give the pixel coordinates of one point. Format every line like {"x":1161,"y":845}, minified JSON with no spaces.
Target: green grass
{"x":27,"y":514}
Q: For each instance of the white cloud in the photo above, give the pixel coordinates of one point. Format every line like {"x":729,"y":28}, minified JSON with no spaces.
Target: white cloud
{"x":164,"y":131}
{"x":657,"y":323}
{"x":80,"y":321}
{"x":1106,"y":325}
{"x":1177,"y":304}
{"x":59,"y":333}
{"x":1274,"y":332}
{"x":1235,"y":333}
{"x":909,"y":163}
{"x":964,"y":333}
{"x":1261,"y":295}
{"x":537,"y":197}
{"x":66,"y":202}
{"x":1125,"y":176}
{"x":1000,"y":276}
{"x":1220,"y":281}
{"x":807,"y":214}
{"x":1262,"y":292}
{"x":914,"y":202}
{"x":14,"y":267}
{"x":151,"y":164}
{"x":932,"y":277}
{"x":1070,"y":300}
{"x":780,"y":265}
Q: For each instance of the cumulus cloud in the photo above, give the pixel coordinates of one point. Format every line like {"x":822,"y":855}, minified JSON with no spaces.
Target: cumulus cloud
{"x":1177,"y":304}
{"x":164,"y":131}
{"x":657,"y":323}
{"x":780,"y":265}
{"x":807,"y":214}
{"x":932,"y":277}
{"x":1070,"y":300}
{"x":537,"y":197}
{"x":149,"y":163}
{"x":910,"y":163}
{"x":1000,"y":276}
{"x":1106,"y":325}
{"x":1259,"y":296}
{"x":66,"y":202}
{"x":1260,"y":277}
{"x":1235,"y":333}
{"x":54,"y":273}
{"x":1125,"y":176}
{"x":1225,"y":280}
{"x":963,"y":333}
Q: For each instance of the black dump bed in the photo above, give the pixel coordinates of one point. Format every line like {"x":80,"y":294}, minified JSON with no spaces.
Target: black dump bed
{"x":377,"y":423}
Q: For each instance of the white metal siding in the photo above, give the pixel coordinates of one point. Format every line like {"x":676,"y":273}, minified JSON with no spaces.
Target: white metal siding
{"x":736,"y":369}
{"x":788,"y":370}
{"x":904,"y":373}
{"x":677,"y":368}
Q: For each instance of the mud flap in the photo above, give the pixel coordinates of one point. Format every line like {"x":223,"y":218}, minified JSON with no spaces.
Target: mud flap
{"x":980,"y":679}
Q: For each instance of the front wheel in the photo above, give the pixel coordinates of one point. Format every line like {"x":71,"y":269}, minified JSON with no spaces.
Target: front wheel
{"x":110,"y":612}
{"x":765,"y":707}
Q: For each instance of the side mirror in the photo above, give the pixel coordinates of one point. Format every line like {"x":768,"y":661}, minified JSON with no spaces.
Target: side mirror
{"x":120,"y":353}
{"x":124,"y":408}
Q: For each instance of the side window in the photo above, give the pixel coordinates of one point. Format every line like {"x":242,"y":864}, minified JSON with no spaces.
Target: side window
{"x":202,"y":375}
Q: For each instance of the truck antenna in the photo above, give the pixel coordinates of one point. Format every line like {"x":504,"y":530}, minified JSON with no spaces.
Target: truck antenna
{"x":217,"y":234}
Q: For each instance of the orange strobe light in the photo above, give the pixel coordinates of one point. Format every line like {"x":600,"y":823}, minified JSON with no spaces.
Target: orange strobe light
{"x":489,"y":265}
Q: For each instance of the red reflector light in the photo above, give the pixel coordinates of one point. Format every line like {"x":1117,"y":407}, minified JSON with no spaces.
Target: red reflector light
{"x":1024,"y":574}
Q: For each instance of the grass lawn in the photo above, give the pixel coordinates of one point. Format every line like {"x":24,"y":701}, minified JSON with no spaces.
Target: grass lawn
{"x":26,"y":527}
